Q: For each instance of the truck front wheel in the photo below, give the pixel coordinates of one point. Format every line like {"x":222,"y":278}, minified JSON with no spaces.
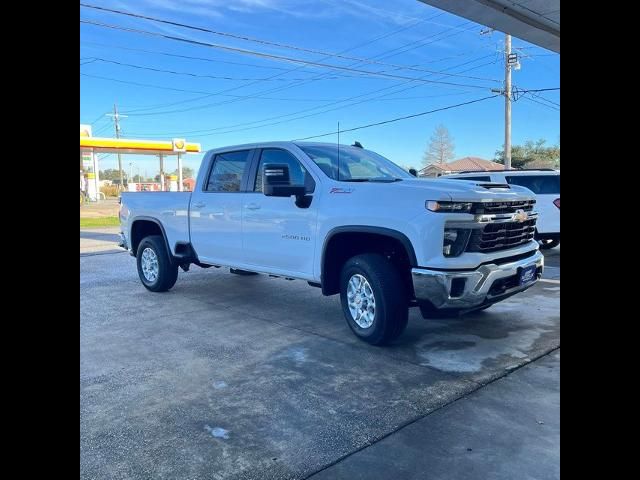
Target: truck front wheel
{"x":155,"y":269}
{"x":374,"y":298}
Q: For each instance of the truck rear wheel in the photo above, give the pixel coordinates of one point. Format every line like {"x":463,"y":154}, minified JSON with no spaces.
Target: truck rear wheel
{"x":155,"y":269}
{"x":374,"y":298}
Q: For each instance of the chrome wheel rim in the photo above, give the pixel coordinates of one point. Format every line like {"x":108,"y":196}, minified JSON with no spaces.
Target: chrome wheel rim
{"x":149,"y":264}
{"x":361,"y":301}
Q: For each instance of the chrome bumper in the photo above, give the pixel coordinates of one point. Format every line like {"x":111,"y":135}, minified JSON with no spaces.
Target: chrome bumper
{"x":435,"y":286}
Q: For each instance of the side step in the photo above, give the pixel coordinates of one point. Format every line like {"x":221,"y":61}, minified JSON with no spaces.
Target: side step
{"x":242,"y":272}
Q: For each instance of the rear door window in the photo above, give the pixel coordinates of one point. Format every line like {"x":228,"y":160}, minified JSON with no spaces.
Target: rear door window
{"x":227,"y":171}
{"x":538,"y":184}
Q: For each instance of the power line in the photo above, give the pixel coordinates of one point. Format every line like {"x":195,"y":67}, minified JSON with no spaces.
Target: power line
{"x":366,"y":97}
{"x":256,"y":95}
{"x":308,"y":115}
{"x":279,"y":57}
{"x":541,"y":103}
{"x":368,"y":42}
{"x":214,"y":32}
{"x":398,"y":118}
{"x":539,"y":89}
{"x":421,"y":43}
{"x":545,"y":99}
{"x":102,"y":129}
{"x":191,"y":74}
{"x":200,"y":107}
{"x":101,"y":116}
{"x":253,"y":65}
{"x":281,"y":99}
{"x":188,"y":57}
{"x":309,"y":81}
{"x":257,"y":40}
{"x":368,"y":94}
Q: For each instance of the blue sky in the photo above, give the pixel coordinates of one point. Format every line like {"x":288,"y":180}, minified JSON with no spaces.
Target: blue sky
{"x":262,"y":99}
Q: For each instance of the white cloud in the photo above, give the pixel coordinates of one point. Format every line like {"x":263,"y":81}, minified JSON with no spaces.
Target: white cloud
{"x":378,"y":12}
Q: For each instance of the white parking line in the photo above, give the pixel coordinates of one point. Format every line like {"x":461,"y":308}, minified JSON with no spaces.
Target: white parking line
{"x":549,"y":280}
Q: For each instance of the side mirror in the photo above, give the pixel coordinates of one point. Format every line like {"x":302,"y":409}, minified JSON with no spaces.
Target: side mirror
{"x":413,"y":172}
{"x":277,"y":183}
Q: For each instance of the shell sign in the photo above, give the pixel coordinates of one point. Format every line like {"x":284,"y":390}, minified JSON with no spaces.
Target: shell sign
{"x":179,"y":145}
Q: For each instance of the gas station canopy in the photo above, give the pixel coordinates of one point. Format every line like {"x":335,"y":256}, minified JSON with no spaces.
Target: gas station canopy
{"x":535,"y":21}
{"x":139,"y":147}
{"x":90,"y":146}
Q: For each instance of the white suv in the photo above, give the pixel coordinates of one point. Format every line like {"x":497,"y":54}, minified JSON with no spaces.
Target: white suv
{"x":545,"y":183}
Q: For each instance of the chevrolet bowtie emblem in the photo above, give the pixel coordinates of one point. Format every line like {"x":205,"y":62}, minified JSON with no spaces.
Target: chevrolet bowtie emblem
{"x":520,"y":216}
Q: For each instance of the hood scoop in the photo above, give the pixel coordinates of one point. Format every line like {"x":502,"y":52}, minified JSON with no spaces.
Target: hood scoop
{"x":490,"y":186}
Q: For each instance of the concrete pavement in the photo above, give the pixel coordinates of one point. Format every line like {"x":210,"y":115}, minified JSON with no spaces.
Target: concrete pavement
{"x":506,"y":430}
{"x":253,"y":377}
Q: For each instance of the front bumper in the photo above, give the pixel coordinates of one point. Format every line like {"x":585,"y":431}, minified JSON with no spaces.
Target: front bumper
{"x":489,"y":283}
{"x":123,"y":241}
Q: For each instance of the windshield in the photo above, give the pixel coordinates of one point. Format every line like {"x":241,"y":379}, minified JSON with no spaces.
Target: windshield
{"x":354,"y":164}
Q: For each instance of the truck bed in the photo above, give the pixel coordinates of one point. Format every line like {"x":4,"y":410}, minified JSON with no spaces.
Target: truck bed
{"x":170,"y":208}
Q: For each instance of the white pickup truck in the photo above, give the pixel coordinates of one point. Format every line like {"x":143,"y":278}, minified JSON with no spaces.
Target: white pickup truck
{"x":344,"y":219}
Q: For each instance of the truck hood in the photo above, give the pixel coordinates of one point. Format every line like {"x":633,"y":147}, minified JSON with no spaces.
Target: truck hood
{"x":462,"y":190}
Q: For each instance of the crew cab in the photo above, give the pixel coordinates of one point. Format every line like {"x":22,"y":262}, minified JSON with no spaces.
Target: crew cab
{"x":346,"y":220}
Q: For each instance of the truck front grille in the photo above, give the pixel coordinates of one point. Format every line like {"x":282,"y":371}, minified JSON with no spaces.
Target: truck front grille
{"x":500,"y":236}
{"x":503,"y":207}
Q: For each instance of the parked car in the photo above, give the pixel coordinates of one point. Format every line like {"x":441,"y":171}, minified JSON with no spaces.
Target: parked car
{"x":545,"y":183}
{"x":346,"y":220}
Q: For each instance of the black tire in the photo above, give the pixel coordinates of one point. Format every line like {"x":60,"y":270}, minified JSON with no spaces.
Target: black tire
{"x":167,"y":270}
{"x":391,"y":302}
{"x":548,"y":243}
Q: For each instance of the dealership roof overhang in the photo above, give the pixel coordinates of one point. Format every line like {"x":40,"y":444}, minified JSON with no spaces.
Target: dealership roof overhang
{"x":535,"y":21}
{"x":139,"y":147}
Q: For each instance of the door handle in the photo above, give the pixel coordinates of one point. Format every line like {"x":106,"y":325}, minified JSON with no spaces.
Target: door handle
{"x":252,"y":206}
{"x":198,"y":205}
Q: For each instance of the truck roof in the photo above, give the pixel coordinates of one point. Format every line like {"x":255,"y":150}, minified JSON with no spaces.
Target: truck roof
{"x":282,"y":143}
{"x":525,"y":171}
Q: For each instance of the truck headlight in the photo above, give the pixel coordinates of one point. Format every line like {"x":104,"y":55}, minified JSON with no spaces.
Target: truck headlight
{"x":455,"y":241}
{"x":451,"y":207}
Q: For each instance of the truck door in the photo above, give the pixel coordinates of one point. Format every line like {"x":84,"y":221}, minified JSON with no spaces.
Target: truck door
{"x":216,"y":209}
{"x":279,"y":236}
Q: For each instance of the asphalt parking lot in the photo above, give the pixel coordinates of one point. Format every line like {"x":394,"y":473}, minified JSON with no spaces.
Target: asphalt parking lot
{"x":254,"y":377}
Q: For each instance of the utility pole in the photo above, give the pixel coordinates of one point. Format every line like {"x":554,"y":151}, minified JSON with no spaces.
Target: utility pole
{"x":507,"y":102}
{"x":116,"y":121}
{"x":509,"y":60}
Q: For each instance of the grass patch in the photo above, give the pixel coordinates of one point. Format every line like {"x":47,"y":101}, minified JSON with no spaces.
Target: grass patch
{"x":99,"y":222}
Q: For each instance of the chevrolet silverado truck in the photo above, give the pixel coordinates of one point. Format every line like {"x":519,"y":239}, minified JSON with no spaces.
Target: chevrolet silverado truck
{"x":346,"y":220}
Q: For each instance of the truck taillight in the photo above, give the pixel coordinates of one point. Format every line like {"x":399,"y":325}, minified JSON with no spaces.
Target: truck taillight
{"x":556,"y":202}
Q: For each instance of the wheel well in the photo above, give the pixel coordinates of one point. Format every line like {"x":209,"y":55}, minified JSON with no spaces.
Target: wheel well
{"x":342,"y":246}
{"x":141,"y":229}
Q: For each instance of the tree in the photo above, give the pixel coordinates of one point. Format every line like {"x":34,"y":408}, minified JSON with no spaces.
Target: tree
{"x":187,"y":172}
{"x":441,"y":147}
{"x":532,"y":155}
{"x":110,"y":174}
